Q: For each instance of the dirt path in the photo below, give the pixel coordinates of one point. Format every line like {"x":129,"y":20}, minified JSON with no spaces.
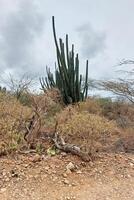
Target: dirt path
{"x":33,"y":177}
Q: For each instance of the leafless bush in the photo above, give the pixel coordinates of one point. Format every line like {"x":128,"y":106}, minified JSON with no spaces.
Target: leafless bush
{"x":18,"y":86}
{"x":123,"y":87}
{"x":44,"y":106}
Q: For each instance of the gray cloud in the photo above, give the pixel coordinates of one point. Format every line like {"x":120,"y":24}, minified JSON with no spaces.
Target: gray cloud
{"x":18,"y":33}
{"x":27,"y":45}
{"x":92,"y":42}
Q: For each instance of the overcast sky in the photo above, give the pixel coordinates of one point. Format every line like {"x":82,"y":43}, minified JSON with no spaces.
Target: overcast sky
{"x":102,"y":31}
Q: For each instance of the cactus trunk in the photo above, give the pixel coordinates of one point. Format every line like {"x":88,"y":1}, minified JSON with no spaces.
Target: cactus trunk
{"x":67,"y":77}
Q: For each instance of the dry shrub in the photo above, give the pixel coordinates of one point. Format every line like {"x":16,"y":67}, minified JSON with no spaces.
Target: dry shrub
{"x":90,"y":131}
{"x":126,"y":114}
{"x":13,"y":116}
{"x":122,"y":112}
{"x":55,"y":95}
{"x":126,"y":141}
{"x":47,"y":105}
{"x":55,"y":105}
{"x":44,"y":106}
{"x":49,"y":102}
{"x":128,"y":137}
{"x":91,"y":105}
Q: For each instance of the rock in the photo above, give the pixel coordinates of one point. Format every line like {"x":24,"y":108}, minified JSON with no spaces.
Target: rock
{"x":128,"y":176}
{"x":54,"y":172}
{"x":70,"y":198}
{"x":14,"y":174}
{"x":53,"y":166}
{"x":47,"y":168}
{"x":63,"y":154}
{"x":7,"y":179}
{"x":64,"y":175}
{"x":25,"y":165}
{"x":2,"y":190}
{"x":35,"y":176}
{"x":91,"y":164}
{"x":79,"y":172}
{"x":132,"y":164}
{"x":36,"y":158}
{"x":70,"y":166}
{"x":49,"y":172}
{"x":68,"y":171}
{"x":4,"y":173}
{"x":65,"y":181}
{"x":74,"y":184}
{"x":29,"y":176}
{"x":83,"y":164}
{"x":54,"y":178}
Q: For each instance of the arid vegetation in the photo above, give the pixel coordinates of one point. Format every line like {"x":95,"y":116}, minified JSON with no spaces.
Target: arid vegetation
{"x":63,"y":114}
{"x":94,"y":125}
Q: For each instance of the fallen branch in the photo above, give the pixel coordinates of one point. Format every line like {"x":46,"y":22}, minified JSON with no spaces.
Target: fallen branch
{"x":70,"y":148}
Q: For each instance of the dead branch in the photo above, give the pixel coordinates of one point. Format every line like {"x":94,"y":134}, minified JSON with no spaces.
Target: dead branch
{"x":33,"y":129}
{"x":124,"y":88}
{"x":70,"y":148}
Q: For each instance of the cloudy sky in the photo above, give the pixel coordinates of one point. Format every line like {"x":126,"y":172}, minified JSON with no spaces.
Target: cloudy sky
{"x":102,"y":31}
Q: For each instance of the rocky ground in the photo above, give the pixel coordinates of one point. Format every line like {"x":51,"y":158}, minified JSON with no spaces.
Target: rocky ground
{"x":35,"y":177}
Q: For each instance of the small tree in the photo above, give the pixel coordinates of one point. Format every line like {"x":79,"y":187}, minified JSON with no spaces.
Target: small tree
{"x":19,"y":87}
{"x":121,"y":87}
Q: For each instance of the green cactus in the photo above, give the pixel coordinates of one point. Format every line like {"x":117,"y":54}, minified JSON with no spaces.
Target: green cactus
{"x":67,"y":78}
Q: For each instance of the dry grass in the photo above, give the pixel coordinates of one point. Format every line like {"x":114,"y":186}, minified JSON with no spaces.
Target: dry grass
{"x":13,"y":117}
{"x":91,"y":105}
{"x":122,"y":112}
{"x":86,"y":130}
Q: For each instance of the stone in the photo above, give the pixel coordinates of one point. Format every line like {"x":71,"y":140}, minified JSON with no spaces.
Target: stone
{"x":83,"y":164}
{"x":47,"y":168}
{"x":2,"y":190}
{"x":128,"y":176}
{"x":70,"y":166}
{"x":79,"y":172}
{"x":74,"y":184}
{"x":14,"y":173}
{"x":132,"y":164}
{"x":63,"y":154}
{"x":65,"y":181}
{"x":68,"y":171}
{"x":36,"y":158}
{"x":64,"y":175}
{"x":7,"y":179}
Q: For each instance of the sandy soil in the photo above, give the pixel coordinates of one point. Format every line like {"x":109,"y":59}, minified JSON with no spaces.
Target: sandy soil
{"x":34,"y":177}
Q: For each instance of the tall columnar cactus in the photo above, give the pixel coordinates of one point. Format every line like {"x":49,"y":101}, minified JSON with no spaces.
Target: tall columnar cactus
{"x":67,"y":78}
